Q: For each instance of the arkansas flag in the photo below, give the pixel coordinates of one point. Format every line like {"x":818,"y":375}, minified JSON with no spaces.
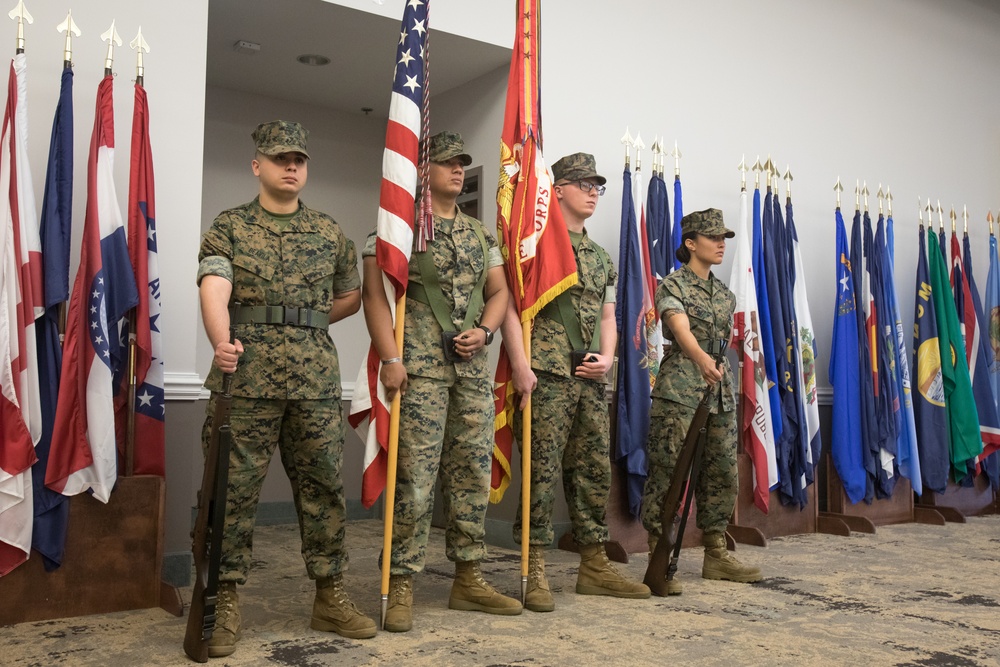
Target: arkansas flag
{"x":20,"y":304}
{"x":530,"y":225}
{"x":148,"y":399}
{"x":755,"y":428}
{"x":83,"y":454}
{"x":394,"y":233}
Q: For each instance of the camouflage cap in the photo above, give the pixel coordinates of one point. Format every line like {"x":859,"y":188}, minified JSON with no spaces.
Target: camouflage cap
{"x":707,"y":223}
{"x":280,"y":136}
{"x":446,"y":145}
{"x":577,"y":167}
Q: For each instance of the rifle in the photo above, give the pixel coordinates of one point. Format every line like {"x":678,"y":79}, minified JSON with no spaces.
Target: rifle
{"x":209,"y":526}
{"x":663,"y":561}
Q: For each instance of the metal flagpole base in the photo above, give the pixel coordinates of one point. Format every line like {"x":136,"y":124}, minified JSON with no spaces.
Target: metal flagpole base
{"x":524,"y":590}
{"x":385,"y":609}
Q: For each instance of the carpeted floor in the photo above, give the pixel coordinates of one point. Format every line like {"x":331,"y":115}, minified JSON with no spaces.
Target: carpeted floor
{"x":909,"y":595}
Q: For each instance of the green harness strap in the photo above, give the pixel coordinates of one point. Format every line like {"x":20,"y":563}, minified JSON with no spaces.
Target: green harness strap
{"x":430,"y":291}
{"x":561,"y":310}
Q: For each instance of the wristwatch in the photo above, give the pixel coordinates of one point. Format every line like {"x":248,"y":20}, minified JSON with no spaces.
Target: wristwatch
{"x":489,"y":333}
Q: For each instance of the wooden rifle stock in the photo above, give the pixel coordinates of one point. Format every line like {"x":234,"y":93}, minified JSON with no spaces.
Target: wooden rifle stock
{"x":663,"y":561}
{"x":208,"y":529}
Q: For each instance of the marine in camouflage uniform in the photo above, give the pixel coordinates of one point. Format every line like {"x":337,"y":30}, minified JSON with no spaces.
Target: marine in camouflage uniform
{"x":680,"y":384}
{"x":446,"y":412}
{"x":570,"y":434}
{"x":280,"y":273}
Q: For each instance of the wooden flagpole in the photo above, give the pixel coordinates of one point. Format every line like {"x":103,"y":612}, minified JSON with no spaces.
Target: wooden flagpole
{"x":392,"y":455}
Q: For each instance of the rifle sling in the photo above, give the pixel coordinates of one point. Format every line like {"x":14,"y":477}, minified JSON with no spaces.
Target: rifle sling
{"x":429,"y":290}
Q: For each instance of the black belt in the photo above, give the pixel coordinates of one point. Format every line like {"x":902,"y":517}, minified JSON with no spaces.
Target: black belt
{"x":290,"y":315}
{"x":712,"y":346}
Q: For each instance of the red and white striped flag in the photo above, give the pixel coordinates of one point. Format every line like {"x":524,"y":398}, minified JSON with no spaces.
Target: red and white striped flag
{"x":394,"y":232}
{"x":83,"y":454}
{"x":21,"y":305}
{"x":755,"y":428}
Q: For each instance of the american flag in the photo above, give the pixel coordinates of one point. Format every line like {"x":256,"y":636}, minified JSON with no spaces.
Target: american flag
{"x":394,"y":231}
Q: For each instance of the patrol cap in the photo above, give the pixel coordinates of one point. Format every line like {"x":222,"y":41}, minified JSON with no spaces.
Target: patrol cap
{"x":577,"y":167}
{"x":446,"y":145}
{"x":707,"y":222}
{"x":280,"y":136}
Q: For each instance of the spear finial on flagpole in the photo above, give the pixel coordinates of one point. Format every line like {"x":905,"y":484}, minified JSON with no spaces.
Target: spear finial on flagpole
{"x":930,"y":214}
{"x":888,"y":201}
{"x":639,"y":145}
{"x":655,"y":150}
{"x":628,"y":141}
{"x":881,"y":196}
{"x":69,"y":27}
{"x":757,"y":168}
{"x":857,"y":195}
{"x":952,"y":216}
{"x":838,"y":188}
{"x":743,"y":173}
{"x":920,"y":211}
{"x":788,"y":182}
{"x":989,"y":219}
{"x":865,"y":193}
{"x":677,"y":160}
{"x":940,"y":211}
{"x":965,"y":219}
{"x":113,"y":39}
{"x":140,"y":45}
{"x":20,"y":14}
{"x":769,"y":170}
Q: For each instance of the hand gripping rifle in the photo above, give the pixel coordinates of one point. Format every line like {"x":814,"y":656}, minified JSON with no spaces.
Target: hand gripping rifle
{"x":663,"y":561}
{"x":208,"y":527}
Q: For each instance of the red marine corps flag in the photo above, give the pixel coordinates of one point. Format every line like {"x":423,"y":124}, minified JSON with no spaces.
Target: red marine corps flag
{"x":530,"y":226}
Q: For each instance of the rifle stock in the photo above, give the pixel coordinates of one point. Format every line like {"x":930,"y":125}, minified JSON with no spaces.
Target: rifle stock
{"x":208,"y":529}
{"x":663,"y":560}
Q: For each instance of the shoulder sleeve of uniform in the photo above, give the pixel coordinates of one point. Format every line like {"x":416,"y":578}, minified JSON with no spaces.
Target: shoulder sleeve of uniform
{"x":493,"y":258}
{"x":216,"y":251}
{"x":612,"y":282}
{"x":669,"y":296}
{"x":369,"y":248}
{"x":346,"y":278}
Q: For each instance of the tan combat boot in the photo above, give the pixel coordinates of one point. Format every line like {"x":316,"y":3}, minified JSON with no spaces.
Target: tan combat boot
{"x":720,"y":564}
{"x":470,"y":592}
{"x":399,"y":611}
{"x":227,"y":621}
{"x":674,"y":586}
{"x":333,"y":611}
{"x":598,"y":576}
{"x":538,"y":597}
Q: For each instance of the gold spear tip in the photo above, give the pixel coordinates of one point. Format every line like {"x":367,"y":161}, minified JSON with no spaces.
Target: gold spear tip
{"x":838,"y":187}
{"x":743,"y":164}
{"x":20,"y":13}
{"x":139,"y":43}
{"x":68,"y":25}
{"x":864,"y":190}
{"x":757,"y":166}
{"x":880,"y":194}
{"x":788,"y":174}
{"x":989,"y":216}
{"x":639,"y":145}
{"x":627,"y":138}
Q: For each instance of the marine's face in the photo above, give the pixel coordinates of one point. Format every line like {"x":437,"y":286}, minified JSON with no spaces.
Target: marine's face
{"x":708,"y":249}
{"x":284,"y":173}
{"x":448,"y":177}
{"x":576,"y":199}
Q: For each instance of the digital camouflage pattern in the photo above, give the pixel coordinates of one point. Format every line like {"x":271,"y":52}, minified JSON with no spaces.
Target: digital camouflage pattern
{"x":446,"y":145}
{"x":286,"y":388}
{"x":446,"y":429}
{"x":303,"y":263}
{"x":718,"y":481}
{"x":310,"y":437}
{"x":707,"y":223}
{"x":577,"y":167}
{"x":571,"y":435}
{"x":550,"y":345}
{"x":280,"y":136}
{"x":709,"y":305}
{"x":458,"y":256}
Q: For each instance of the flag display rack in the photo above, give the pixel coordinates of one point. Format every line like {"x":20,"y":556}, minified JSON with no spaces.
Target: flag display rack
{"x":114,"y":556}
{"x":958,"y":502}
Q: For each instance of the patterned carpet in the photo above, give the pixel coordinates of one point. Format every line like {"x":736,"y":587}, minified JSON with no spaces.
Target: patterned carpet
{"x":909,"y":595}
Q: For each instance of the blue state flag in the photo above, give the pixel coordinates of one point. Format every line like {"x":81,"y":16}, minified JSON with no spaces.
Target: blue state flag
{"x":846,"y":443}
{"x":869,"y":424}
{"x":678,"y":214}
{"x":991,"y":330}
{"x":764,"y":311}
{"x":633,"y":387}
{"x":884,"y":342}
{"x":51,"y":509}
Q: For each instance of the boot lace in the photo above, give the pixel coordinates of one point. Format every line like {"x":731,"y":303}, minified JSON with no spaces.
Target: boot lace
{"x":223,"y":605}
{"x":399,"y":588}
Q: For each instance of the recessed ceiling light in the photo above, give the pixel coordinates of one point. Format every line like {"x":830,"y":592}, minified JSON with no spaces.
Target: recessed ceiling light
{"x":313,"y":59}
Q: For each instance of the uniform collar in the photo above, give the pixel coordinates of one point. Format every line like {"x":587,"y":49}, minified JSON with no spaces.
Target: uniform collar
{"x":298,"y":223}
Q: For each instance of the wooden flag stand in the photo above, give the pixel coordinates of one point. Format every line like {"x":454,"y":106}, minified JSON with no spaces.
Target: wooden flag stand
{"x":113,"y":560}
{"x":958,"y":502}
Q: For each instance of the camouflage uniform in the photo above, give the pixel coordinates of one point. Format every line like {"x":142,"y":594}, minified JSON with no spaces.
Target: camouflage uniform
{"x":446,"y":414}
{"x":286,"y":389}
{"x":571,"y":429}
{"x":679,"y":387}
